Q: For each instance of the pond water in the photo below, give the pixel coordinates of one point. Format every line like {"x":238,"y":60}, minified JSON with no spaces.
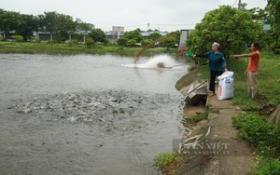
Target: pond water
{"x":87,"y":114}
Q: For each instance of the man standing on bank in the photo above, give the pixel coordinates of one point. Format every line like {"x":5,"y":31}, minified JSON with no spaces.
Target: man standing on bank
{"x":217,"y":65}
{"x":252,"y":68}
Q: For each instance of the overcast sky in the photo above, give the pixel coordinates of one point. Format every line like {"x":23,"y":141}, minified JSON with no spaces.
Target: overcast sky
{"x":161,"y":14}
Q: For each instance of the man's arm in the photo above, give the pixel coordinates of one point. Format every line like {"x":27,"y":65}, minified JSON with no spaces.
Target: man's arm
{"x":205,"y":55}
{"x":242,"y":55}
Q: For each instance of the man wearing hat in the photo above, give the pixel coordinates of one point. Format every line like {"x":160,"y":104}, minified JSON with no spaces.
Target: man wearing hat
{"x":217,"y":65}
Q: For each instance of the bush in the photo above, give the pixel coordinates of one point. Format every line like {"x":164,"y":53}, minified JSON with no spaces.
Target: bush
{"x":274,"y":16}
{"x":89,"y":42}
{"x":54,"y":41}
{"x":134,"y":35}
{"x":155,"y":36}
{"x":168,"y":41}
{"x":131,"y":43}
{"x":147,"y":42}
{"x":275,"y":46}
{"x":257,"y":131}
{"x":18,"y":38}
{"x":98,"y":35}
{"x":122,"y":42}
{"x":73,"y":42}
{"x":268,"y":167}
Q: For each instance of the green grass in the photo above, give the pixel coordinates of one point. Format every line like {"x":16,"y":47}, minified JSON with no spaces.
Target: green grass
{"x":163,"y":160}
{"x":268,"y":82}
{"x":268,"y":167}
{"x":256,"y":130}
{"x":197,"y":118}
{"x":70,"y":49}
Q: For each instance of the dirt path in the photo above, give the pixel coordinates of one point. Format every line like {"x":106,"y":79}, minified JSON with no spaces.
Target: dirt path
{"x":239,"y":160}
{"x":228,"y":155}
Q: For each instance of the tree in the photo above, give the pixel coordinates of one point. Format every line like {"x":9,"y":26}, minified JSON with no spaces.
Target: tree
{"x":175,"y":35}
{"x":155,"y":36}
{"x":27,"y":26}
{"x":273,"y":7}
{"x":66,"y":25}
{"x":148,"y":43}
{"x":131,"y":43}
{"x":122,"y":42}
{"x":98,"y":35}
{"x":59,"y":24}
{"x":259,"y":14}
{"x":168,"y":41}
{"x":234,"y":29}
{"x":49,"y":22}
{"x":134,"y":35}
{"x":84,"y":28}
{"x":9,"y":21}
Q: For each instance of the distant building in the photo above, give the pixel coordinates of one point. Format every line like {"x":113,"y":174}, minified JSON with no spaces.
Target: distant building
{"x":42,"y":36}
{"x":118,"y":29}
{"x":183,"y":38}
{"x":116,"y":33}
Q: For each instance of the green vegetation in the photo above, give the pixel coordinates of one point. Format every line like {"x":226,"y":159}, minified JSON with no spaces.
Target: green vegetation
{"x":54,"y":27}
{"x":260,"y":133}
{"x":164,"y":160}
{"x":75,"y":48}
{"x":268,"y":82}
{"x":170,"y":40}
{"x":98,"y":35}
{"x":268,"y":167}
{"x":274,"y":17}
{"x":234,"y":29}
{"x":265,"y":137}
{"x":133,"y":35}
{"x":253,"y":127}
{"x":132,"y":38}
{"x":197,"y":118}
{"x":147,"y":42}
{"x":61,"y":27}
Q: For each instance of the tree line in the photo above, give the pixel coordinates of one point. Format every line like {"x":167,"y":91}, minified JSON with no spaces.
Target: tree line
{"x":60,"y":26}
{"x":132,"y":38}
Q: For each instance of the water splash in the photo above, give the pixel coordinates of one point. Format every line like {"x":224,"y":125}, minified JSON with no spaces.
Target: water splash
{"x":160,"y":61}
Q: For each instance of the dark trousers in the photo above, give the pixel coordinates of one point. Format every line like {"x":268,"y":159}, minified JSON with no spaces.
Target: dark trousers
{"x":213,"y":75}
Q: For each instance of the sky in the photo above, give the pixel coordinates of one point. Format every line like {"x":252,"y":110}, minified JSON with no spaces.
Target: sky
{"x":165,"y":15}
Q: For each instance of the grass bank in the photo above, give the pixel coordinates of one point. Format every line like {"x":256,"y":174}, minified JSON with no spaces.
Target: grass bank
{"x":71,"y":49}
{"x":167,"y":162}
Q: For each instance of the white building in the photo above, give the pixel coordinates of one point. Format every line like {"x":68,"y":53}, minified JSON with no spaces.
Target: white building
{"x":183,"y":38}
{"x":116,"y":33}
